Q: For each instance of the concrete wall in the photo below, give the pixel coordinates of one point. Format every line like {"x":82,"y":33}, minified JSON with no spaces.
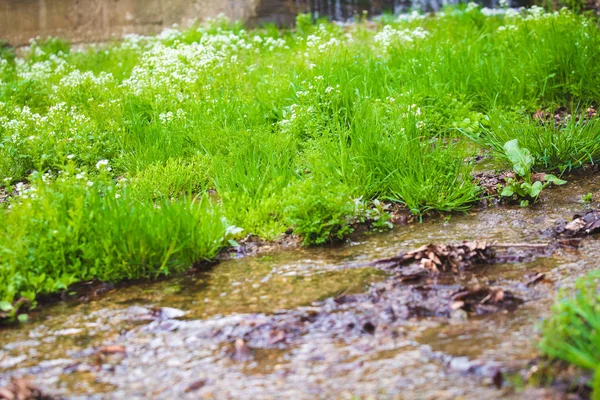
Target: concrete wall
{"x":98,"y":20}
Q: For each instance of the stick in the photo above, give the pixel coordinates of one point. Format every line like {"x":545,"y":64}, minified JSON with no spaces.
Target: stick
{"x":523,"y":245}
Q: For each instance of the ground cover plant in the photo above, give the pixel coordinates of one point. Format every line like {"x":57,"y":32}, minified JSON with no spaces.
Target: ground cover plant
{"x":142,"y":157}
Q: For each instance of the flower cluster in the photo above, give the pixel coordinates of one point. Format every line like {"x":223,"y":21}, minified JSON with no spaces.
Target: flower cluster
{"x":389,"y":36}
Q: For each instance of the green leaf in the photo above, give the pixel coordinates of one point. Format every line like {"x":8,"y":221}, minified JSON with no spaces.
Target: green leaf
{"x":524,"y":203}
{"x":5,"y":306}
{"x":507,"y":191}
{"x":520,"y":157}
{"x":553,"y":179}
{"x":536,"y":189}
{"x":23,"y":318}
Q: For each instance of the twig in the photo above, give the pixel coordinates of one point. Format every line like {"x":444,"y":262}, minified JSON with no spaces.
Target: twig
{"x":522,"y":245}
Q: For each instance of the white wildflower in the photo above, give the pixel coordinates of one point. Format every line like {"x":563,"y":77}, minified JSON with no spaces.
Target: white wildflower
{"x":102,"y":164}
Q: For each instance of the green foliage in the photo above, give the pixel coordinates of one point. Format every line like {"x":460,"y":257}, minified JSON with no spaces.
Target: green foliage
{"x":320,"y":213}
{"x":172,"y":179}
{"x":572,"y":333}
{"x":587,"y":198}
{"x":522,"y":161}
{"x":70,"y":229}
{"x":304,"y":24}
{"x":563,"y":146}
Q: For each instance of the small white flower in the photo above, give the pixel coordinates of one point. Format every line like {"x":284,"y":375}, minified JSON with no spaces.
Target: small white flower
{"x":102,"y":164}
{"x":472,"y":7}
{"x":70,"y":156}
{"x":90,"y":183}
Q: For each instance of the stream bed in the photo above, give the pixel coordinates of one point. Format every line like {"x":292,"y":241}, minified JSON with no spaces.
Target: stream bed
{"x":313,"y":323}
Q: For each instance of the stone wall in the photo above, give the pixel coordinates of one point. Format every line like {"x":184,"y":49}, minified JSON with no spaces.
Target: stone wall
{"x":100,"y":20}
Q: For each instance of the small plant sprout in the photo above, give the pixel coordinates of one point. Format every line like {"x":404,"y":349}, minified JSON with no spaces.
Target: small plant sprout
{"x":526,"y":190}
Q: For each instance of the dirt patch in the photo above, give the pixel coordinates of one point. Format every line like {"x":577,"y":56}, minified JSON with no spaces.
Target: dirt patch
{"x":561,"y":117}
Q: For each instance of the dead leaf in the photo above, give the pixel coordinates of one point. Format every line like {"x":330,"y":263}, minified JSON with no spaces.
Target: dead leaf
{"x":199,"y":384}
{"x":444,"y":258}
{"x":112,"y":349}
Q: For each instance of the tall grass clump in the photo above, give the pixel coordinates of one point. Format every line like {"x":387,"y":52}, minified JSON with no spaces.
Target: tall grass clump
{"x":572,"y":333}
{"x":554,"y":146}
{"x":68,"y":229}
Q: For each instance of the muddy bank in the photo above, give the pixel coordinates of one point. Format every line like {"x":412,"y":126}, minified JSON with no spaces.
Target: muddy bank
{"x":314,"y":323}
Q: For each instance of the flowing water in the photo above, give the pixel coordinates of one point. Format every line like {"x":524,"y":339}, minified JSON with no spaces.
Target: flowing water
{"x":309,"y":323}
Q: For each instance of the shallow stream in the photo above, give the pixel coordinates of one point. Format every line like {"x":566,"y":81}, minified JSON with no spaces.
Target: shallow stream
{"x":310,"y":323}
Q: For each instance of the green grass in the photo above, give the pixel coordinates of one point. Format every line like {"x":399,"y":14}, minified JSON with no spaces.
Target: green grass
{"x":554,"y":147}
{"x":269,"y":130}
{"x":572,"y":333}
{"x":70,"y":229}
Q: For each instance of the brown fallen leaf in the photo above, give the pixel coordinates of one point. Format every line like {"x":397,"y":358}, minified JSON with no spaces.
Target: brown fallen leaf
{"x":444,"y":258}
{"x":199,"y":384}
{"x":112,"y":349}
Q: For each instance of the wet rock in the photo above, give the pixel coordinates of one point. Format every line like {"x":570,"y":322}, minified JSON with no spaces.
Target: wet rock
{"x":241,"y":351}
{"x":459,"y":315}
{"x":276,"y":336}
{"x":68,"y":332}
{"x":460,"y":364}
{"x":12,"y":361}
{"x":169,"y":313}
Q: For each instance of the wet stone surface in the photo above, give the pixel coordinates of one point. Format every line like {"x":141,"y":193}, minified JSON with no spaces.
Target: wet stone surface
{"x":316,"y":323}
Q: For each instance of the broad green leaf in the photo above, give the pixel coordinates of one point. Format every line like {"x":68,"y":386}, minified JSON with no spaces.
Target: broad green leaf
{"x":5,"y":306}
{"x":520,"y":157}
{"x":23,"y":318}
{"x":553,"y":179}
{"x":536,"y":189}
{"x":507,"y":191}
